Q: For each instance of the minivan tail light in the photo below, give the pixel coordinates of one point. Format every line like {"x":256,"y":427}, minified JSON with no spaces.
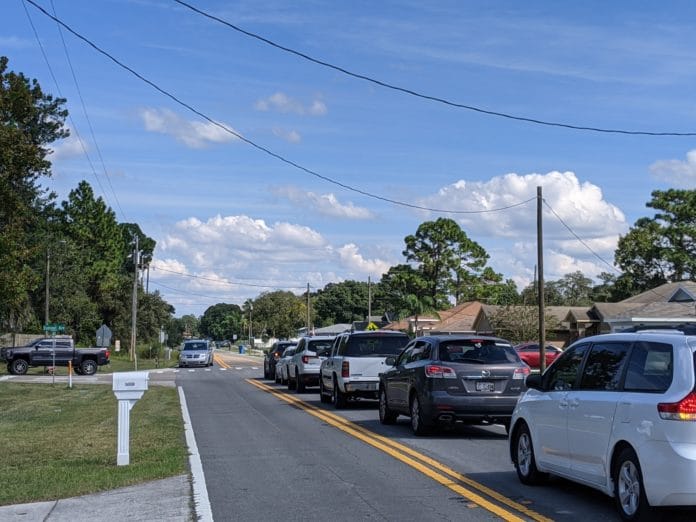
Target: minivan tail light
{"x":345,"y":369}
{"x":520,"y":373}
{"x":436,"y":371}
{"x":684,"y":410}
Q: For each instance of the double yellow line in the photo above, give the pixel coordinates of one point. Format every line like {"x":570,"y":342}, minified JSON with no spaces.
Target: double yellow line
{"x":221,"y":362}
{"x":455,"y":481}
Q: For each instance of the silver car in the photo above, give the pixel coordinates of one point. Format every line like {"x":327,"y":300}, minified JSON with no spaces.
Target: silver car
{"x":196,"y":352}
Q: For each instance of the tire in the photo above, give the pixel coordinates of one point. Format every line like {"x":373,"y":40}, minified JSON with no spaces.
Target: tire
{"x":78,"y":370}
{"x":299,"y":383}
{"x":418,"y":425}
{"x":290,"y":383}
{"x":266,"y":375}
{"x":9,"y":369}
{"x":525,"y":461}
{"x":322,"y":392}
{"x":338,"y":397}
{"x":386,"y":414}
{"x":89,"y":367}
{"x":629,"y":488}
{"x":19,"y":367}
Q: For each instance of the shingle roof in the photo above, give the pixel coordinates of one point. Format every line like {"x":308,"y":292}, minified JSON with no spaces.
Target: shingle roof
{"x":663,"y":292}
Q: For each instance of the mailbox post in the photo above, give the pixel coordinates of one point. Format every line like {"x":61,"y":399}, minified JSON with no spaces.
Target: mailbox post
{"x":128,"y":388}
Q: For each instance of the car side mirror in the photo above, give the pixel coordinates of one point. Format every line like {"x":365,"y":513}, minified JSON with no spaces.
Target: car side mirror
{"x":390,"y":361}
{"x":534,"y":381}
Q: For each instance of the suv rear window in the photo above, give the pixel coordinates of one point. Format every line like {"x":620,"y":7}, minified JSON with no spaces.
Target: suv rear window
{"x":375,"y":346}
{"x":322,"y":347}
{"x":482,"y":351}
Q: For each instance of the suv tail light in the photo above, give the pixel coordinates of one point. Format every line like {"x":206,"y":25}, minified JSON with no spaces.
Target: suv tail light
{"x":305,"y":359}
{"x":276,"y":355}
{"x":345,"y":369}
{"x":520,"y":373}
{"x":684,"y":410}
{"x":440,"y":372}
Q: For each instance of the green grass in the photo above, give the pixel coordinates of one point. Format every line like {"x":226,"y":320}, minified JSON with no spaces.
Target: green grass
{"x":58,"y":442}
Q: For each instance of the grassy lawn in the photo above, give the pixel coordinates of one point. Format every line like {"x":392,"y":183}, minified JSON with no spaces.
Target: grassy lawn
{"x":57,"y":442}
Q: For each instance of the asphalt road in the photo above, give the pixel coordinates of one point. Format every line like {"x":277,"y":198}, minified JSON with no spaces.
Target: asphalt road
{"x":265,"y":458}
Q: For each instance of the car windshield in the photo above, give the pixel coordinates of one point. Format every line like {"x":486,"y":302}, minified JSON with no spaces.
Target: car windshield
{"x":195,"y":346}
{"x":478,"y":351}
{"x":322,"y":347}
{"x":375,"y":346}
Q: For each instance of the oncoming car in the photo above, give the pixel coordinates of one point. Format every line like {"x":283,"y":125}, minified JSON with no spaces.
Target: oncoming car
{"x":196,"y":352}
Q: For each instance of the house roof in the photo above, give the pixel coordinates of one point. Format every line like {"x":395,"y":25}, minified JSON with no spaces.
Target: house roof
{"x":665,"y":293}
{"x":461,"y":318}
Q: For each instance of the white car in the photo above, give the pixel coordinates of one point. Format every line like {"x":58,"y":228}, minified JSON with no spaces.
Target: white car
{"x":303,"y":368}
{"x":281,"y":368}
{"x":616,"y":412}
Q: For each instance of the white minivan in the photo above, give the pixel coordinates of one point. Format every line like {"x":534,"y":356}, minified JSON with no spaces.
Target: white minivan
{"x":616,"y":412}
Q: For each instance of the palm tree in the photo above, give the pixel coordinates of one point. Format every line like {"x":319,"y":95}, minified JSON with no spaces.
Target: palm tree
{"x":418,"y":305}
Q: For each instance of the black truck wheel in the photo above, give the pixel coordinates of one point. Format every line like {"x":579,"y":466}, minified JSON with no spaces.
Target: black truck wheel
{"x":19,"y":367}
{"x":89,"y":367}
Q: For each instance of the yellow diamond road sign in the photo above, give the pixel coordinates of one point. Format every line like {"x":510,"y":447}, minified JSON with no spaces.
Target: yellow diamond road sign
{"x":372,"y":326}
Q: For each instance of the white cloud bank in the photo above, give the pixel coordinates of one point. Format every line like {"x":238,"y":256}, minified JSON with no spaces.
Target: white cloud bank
{"x":192,"y":133}
{"x":281,"y":102}
{"x":69,"y":147}
{"x":325,"y":204}
{"x":681,"y":174}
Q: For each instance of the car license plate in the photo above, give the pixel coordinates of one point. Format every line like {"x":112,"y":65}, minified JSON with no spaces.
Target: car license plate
{"x":484,"y":386}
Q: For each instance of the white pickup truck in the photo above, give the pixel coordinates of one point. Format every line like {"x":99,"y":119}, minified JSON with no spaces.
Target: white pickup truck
{"x":353,"y":367}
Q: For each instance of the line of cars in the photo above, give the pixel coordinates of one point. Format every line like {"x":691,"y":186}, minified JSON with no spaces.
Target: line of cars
{"x":616,"y":412}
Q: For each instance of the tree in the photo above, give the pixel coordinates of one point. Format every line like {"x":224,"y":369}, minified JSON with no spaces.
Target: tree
{"x":396,"y":285}
{"x":343,"y":302}
{"x":30,"y":121}
{"x":661,"y":249}
{"x":279,"y":314}
{"x":446,"y":258}
{"x":221,"y":321}
{"x":520,"y":323}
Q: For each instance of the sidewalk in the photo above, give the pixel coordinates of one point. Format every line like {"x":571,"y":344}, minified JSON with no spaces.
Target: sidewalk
{"x":167,"y":499}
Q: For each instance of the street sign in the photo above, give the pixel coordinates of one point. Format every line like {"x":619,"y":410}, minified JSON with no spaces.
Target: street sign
{"x":54,"y":328}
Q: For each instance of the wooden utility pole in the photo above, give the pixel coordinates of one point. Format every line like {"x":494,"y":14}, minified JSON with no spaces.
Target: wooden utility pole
{"x":134,"y":310}
{"x":369,"y":300}
{"x":540,"y":282}
{"x":309,"y":310}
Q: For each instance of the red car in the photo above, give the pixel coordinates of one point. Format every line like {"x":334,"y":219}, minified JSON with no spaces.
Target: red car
{"x":529,"y":353}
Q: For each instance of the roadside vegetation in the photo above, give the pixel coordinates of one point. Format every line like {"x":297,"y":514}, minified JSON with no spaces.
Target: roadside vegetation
{"x":58,"y":442}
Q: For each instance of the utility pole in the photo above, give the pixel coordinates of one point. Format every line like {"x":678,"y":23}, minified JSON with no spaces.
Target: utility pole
{"x":309,"y":311}
{"x":135,"y":299}
{"x":48,"y":270}
{"x":369,"y":299}
{"x":540,"y":264}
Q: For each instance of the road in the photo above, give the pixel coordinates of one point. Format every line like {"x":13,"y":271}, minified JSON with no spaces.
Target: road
{"x":270,"y":454}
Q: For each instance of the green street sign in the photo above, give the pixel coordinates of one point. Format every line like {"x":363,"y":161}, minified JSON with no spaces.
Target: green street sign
{"x":54,"y":328}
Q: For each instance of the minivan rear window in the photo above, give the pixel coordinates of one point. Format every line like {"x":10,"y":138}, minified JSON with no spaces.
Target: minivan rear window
{"x":650,"y":367}
{"x":478,"y":351}
{"x":375,"y":346}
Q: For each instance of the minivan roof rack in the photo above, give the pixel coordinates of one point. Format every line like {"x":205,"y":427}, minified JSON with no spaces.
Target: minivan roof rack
{"x":685,"y":328}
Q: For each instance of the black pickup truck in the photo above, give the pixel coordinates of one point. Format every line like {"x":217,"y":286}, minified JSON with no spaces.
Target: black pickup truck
{"x":41,"y":353}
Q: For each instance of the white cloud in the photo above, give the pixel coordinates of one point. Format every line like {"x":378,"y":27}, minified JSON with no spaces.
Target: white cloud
{"x":192,"y":133}
{"x":678,"y":173}
{"x":281,"y":102}
{"x":291,"y":136}
{"x":69,"y":147}
{"x":325,"y":204}
{"x":581,"y":206}
{"x":351,"y":258}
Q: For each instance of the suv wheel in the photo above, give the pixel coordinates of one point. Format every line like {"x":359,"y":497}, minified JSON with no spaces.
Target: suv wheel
{"x":338,"y":397}
{"x":386,"y":415}
{"x":525,"y":462}
{"x":629,"y":491}
{"x":322,"y":392}
{"x":418,"y":425}
{"x":290,"y":382}
{"x":299,"y":383}
{"x":19,"y":366}
{"x":88,"y":367}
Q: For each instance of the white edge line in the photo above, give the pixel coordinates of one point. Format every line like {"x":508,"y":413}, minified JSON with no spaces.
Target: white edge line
{"x":200,"y":491}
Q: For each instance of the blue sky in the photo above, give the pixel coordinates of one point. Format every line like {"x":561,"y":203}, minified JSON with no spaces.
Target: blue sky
{"x":244,"y":222}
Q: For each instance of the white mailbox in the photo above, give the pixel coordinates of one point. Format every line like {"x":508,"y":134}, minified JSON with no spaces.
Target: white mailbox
{"x":128,"y":388}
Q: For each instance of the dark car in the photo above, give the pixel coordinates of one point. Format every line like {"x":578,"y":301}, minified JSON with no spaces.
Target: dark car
{"x":529,"y":353}
{"x":270,"y":358}
{"x":443,"y":379}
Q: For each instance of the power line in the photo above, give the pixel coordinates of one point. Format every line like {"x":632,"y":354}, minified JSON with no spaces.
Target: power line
{"x":184,"y":292}
{"x":417,"y":94}
{"x":254,"y":144}
{"x":72,"y":122}
{"x":225,"y":281}
{"x":84,"y":109}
